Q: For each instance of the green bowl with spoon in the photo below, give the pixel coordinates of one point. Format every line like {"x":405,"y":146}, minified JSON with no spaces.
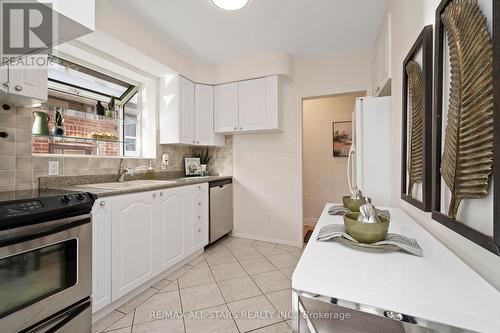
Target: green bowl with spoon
{"x":366,"y":232}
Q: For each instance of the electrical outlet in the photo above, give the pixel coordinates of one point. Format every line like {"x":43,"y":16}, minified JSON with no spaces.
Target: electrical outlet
{"x":164,"y":161}
{"x":53,"y":168}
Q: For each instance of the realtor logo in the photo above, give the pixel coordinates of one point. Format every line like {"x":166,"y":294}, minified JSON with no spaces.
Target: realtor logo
{"x":27,"y":27}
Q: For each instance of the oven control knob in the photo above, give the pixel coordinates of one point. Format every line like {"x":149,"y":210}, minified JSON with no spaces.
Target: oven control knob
{"x":65,"y":198}
{"x":80,"y":196}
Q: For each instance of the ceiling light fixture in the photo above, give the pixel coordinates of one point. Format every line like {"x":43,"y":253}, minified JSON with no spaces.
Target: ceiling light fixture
{"x":230,"y":4}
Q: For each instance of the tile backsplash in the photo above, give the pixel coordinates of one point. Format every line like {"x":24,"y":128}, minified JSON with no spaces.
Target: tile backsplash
{"x":19,"y":169}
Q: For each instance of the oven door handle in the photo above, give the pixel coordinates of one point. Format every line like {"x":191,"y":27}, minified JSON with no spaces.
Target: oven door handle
{"x":21,"y":234}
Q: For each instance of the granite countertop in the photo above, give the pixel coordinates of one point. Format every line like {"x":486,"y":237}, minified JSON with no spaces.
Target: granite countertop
{"x":79,"y":184}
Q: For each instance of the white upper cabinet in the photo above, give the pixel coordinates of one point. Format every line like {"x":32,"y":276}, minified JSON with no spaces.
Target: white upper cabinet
{"x":187,"y":111}
{"x":226,"y":107}
{"x":247,"y":106}
{"x":187,"y":115}
{"x":204,"y":117}
{"x":381,"y":74}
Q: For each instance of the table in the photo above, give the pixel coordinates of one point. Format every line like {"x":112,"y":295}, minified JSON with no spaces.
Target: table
{"x":438,"y":291}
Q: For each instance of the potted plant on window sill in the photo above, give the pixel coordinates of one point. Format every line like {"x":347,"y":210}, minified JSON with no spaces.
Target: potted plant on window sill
{"x":110,"y":112}
{"x":205,"y":158}
{"x":58,"y":130}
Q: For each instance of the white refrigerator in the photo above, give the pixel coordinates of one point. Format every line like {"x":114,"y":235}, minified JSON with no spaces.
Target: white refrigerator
{"x":371,"y":167}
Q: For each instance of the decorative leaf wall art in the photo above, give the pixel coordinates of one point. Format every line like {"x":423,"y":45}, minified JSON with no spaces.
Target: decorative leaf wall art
{"x":416,"y":160}
{"x":416,"y":124}
{"x":466,"y":150}
{"x":467,"y":160}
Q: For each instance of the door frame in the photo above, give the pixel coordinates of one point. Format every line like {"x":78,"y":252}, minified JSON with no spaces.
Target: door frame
{"x":301,"y":97}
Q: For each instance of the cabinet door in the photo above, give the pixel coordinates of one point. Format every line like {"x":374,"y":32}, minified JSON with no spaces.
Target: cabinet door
{"x":4,"y":79}
{"x":226,"y":108}
{"x":132,"y":241}
{"x":252,"y":105}
{"x":186,"y":111}
{"x":171,"y":229}
{"x":197,"y":226}
{"x":204,"y":115}
{"x":101,"y":254}
{"x":30,"y":82}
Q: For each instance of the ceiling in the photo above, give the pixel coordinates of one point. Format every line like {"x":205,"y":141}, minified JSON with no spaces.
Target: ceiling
{"x":297,"y":27}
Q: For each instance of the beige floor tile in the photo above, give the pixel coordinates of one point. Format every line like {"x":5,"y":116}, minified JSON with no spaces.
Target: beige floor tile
{"x":137,"y":300}
{"x":270,"y":251}
{"x":264,"y":244}
{"x":271,"y":281}
{"x":181,"y":270}
{"x":288,"y":272}
{"x":255,"y":266}
{"x":161,"y":284}
{"x":228,"y":271}
{"x":160,"y":326}
{"x":198,"y":259}
{"x":275,"y":328}
{"x":282,"y":301}
{"x":283,"y":260}
{"x":289,"y":247}
{"x":107,"y":321}
{"x":254,"y":313}
{"x":234,"y":242}
{"x":212,"y":320}
{"x":240,"y":288}
{"x":125,"y":321}
{"x":222,"y":257}
{"x":174,"y":285}
{"x":123,"y":330}
{"x":158,"y":307}
{"x":243,"y":253}
{"x":201,"y":297}
{"x":195,"y":277}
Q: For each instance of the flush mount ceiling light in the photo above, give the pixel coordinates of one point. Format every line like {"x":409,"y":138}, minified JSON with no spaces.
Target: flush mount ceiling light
{"x":230,"y":4}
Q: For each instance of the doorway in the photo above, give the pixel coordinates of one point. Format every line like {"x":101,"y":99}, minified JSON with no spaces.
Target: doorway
{"x":326,"y":139}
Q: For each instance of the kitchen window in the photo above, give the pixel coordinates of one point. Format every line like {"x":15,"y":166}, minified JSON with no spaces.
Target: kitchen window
{"x":88,"y":112}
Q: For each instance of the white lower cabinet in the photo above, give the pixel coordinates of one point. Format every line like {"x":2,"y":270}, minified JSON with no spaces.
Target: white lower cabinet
{"x":132,"y":241}
{"x":138,"y":236}
{"x":101,"y":254}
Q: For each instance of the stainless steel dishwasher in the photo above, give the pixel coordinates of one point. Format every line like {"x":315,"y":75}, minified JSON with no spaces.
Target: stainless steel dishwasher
{"x":221,"y":208}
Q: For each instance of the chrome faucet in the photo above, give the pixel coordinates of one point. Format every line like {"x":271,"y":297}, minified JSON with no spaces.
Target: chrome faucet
{"x":122,"y":172}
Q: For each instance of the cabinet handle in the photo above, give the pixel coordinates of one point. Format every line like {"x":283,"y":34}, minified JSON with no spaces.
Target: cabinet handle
{"x":161,"y":194}
{"x":199,"y":217}
{"x":199,"y":203}
{"x":199,"y":230}
{"x":198,"y":142}
{"x":155,"y":195}
{"x":199,"y":187}
{"x":241,"y":128}
{"x":6,"y":85}
{"x":235,"y":128}
{"x":18,"y":88}
{"x":103,"y":203}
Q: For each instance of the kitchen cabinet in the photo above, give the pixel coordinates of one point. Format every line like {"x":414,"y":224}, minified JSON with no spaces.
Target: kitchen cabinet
{"x":198,"y":216}
{"x":187,"y":116}
{"x":171,"y":228}
{"x":22,"y":84}
{"x":381,"y":76}
{"x":204,"y":117}
{"x":226,"y":108}
{"x":101,"y":254}
{"x":247,"y":106}
{"x":133,"y":231}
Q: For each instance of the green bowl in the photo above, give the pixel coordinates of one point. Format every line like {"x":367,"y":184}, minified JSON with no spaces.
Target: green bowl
{"x":366,"y":232}
{"x":352,"y":204}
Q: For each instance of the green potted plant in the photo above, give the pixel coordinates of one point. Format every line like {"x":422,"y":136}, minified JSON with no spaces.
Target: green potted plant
{"x":110,"y":112}
{"x":204,"y":157}
{"x":58,"y":122}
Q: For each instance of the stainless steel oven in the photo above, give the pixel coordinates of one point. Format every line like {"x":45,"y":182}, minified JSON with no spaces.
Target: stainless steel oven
{"x":45,"y":270}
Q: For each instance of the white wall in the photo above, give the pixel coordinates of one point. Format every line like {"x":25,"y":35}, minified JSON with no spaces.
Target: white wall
{"x":408,"y":19}
{"x":268,"y":167}
{"x":324,"y":176}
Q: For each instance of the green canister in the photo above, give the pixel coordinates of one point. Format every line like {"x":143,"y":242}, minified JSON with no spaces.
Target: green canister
{"x":41,"y":123}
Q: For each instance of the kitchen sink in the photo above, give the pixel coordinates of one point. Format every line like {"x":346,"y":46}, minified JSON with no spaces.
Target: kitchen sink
{"x":128,"y":184}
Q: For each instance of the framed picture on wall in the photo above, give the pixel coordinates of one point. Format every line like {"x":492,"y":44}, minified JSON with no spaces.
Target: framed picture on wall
{"x":416,"y":148}
{"x":342,"y":138}
{"x":466,"y":120}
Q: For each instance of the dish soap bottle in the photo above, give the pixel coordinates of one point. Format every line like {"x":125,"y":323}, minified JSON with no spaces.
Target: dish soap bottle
{"x":150,"y":173}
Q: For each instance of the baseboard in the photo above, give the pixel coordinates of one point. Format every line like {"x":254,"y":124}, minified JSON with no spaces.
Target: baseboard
{"x":311,"y":221}
{"x":265,"y":239}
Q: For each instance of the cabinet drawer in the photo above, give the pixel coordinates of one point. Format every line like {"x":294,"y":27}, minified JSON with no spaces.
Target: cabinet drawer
{"x":199,"y":217}
{"x":199,"y":235}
